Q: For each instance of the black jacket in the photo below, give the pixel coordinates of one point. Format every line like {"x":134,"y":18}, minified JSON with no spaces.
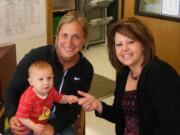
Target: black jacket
{"x":158,"y":100}
{"x":78,"y":77}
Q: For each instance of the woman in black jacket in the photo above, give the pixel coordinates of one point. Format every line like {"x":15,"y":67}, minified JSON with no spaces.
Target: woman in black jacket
{"x":147,"y":94}
{"x":72,"y":72}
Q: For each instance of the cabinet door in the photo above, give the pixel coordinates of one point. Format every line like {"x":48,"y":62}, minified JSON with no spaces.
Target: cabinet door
{"x":49,"y":21}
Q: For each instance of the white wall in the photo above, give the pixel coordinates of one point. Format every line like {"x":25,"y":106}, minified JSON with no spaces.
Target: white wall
{"x":24,"y":26}
{"x":23,"y":46}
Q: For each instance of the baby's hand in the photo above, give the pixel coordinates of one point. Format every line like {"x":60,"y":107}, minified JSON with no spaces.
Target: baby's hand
{"x":38,"y":130}
{"x":72,"y":99}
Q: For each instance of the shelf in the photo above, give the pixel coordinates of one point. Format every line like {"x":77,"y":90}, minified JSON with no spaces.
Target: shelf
{"x":59,"y":9}
{"x":98,"y":3}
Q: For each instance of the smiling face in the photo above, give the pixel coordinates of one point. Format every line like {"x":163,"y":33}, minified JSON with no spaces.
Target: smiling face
{"x":41,"y":81}
{"x":71,"y":39}
{"x":128,"y":51}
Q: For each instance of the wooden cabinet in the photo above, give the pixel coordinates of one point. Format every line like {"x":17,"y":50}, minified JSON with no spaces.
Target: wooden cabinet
{"x":7,"y":67}
{"x":55,"y":9}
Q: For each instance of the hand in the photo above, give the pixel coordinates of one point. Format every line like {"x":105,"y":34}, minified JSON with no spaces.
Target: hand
{"x":38,"y":129}
{"x":16,"y":127}
{"x":72,"y":99}
{"x":48,"y":130}
{"x":89,"y":102}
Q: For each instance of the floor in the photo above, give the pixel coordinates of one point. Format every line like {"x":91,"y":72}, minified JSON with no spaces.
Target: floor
{"x":98,"y":56}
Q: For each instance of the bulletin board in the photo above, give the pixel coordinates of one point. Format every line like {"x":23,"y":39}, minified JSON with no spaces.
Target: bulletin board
{"x":22,"y":19}
{"x":163,"y":9}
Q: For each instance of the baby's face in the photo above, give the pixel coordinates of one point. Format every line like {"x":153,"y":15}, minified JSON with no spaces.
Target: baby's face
{"x":41,"y":81}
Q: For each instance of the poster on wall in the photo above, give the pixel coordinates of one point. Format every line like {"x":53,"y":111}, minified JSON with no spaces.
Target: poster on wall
{"x":171,"y":7}
{"x":21,"y":19}
{"x":164,"y":9}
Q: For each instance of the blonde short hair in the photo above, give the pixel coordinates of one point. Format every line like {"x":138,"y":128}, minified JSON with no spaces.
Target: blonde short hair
{"x":39,"y":65}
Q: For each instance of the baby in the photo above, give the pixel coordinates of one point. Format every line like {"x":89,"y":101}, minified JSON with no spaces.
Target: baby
{"x":36,"y":101}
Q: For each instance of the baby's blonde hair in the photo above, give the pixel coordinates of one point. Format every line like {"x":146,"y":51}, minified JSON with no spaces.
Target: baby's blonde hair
{"x":39,"y":65}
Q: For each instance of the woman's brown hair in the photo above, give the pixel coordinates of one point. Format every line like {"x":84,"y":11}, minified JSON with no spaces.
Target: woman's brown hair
{"x":136,"y":30}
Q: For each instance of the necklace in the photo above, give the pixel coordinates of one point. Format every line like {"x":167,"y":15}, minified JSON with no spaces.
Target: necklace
{"x":134,"y":77}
